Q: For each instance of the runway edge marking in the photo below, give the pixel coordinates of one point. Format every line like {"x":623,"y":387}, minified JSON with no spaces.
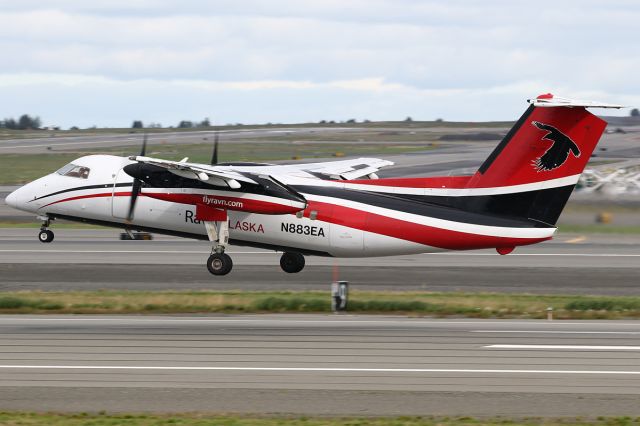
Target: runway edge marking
{"x":569,"y":347}
{"x":312,"y":369}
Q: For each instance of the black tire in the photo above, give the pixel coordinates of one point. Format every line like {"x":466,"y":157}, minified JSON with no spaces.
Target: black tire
{"x":219,"y":264}
{"x":45,"y":236}
{"x":292,"y":262}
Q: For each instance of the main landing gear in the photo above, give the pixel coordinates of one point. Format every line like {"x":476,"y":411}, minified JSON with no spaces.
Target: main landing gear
{"x":45,"y":235}
{"x":220,"y":263}
{"x":292,"y":262}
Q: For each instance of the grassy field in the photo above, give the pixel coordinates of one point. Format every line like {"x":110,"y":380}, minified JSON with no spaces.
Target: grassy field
{"x":103,"y":419}
{"x":22,"y":168}
{"x":369,"y":139}
{"x":405,"y":303}
{"x":262,"y":151}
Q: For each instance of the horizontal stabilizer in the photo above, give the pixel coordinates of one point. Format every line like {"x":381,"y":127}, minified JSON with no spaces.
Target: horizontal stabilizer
{"x":549,"y":100}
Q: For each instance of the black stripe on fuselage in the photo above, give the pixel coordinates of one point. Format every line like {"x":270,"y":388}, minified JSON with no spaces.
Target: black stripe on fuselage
{"x":543,"y":205}
{"x":520,"y":210}
{"x":233,"y":241}
{"x":503,"y":144}
{"x":423,"y":206}
{"x":81,"y":188}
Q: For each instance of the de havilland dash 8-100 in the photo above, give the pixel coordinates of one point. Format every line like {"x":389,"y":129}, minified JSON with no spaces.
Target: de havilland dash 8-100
{"x":337,"y":208}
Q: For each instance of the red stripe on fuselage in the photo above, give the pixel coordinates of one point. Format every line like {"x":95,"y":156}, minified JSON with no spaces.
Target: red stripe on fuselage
{"x":229,"y":203}
{"x":80,"y":197}
{"x":417,"y":233}
{"x":383,"y":225}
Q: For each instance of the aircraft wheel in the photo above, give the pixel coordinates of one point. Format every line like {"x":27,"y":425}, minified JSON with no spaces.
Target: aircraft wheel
{"x":45,"y":236}
{"x":292,"y":262}
{"x":219,"y":264}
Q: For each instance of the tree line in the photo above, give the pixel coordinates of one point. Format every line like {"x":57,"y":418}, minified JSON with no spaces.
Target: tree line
{"x":183,"y":124}
{"x":23,"y":123}
{"x":27,"y":122}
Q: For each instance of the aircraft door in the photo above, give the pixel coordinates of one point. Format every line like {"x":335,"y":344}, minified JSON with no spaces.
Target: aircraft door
{"x":120,"y":195}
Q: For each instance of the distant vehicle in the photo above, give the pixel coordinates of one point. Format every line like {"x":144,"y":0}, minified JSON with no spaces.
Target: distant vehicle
{"x":337,"y":208}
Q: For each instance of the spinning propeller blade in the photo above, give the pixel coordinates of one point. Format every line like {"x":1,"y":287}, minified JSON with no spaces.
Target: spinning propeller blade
{"x":143,"y":151}
{"x":135,"y":190}
{"x":214,"y":155}
{"x":137,"y":183}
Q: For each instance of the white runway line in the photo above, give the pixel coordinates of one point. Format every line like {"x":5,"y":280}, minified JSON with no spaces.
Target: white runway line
{"x":570,"y":347}
{"x":313,"y":369}
{"x":537,"y":254}
{"x":554,"y":332}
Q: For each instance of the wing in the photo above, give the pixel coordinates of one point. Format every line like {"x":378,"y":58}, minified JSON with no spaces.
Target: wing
{"x":231,"y":175}
{"x":213,"y":175}
{"x":343,"y":169}
{"x":254,"y":192}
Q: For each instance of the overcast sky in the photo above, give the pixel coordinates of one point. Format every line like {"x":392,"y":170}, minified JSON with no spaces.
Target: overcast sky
{"x":106,"y":63}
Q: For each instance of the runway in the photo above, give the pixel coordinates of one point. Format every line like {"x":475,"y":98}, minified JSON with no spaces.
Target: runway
{"x":96,"y":259}
{"x":312,"y":364}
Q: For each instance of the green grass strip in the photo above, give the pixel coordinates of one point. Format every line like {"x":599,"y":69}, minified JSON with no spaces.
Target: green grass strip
{"x":470,"y":305}
{"x":102,"y":419}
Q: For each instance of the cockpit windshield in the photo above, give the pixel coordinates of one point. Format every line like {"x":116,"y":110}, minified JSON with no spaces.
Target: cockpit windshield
{"x":73,"y":170}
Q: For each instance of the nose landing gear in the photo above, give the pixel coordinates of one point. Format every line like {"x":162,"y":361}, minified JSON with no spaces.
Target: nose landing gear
{"x":45,"y":235}
{"x":219,"y":263}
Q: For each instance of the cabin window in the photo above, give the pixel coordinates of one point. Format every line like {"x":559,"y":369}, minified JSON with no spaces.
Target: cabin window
{"x":73,"y":170}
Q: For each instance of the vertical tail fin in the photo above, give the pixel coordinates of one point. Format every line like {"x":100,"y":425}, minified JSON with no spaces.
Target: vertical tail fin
{"x":532,"y":172}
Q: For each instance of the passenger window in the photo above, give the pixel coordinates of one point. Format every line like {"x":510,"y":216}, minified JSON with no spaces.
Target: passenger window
{"x":73,"y":170}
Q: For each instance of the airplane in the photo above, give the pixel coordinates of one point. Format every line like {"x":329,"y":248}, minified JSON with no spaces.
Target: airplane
{"x":337,"y":208}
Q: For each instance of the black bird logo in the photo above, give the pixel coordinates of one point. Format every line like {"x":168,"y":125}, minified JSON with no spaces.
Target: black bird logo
{"x":558,"y":153}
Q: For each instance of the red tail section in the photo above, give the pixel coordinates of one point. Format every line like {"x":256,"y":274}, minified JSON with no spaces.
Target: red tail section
{"x":532,"y":172}
{"x":546,"y":143}
{"x":543,"y":156}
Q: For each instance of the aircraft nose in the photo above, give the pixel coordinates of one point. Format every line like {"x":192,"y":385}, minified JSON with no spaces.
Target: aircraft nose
{"x":18,"y":199}
{"x":12,"y":199}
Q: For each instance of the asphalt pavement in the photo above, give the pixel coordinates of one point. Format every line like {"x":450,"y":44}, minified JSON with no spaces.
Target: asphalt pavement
{"x":96,"y":259}
{"x":319,"y":364}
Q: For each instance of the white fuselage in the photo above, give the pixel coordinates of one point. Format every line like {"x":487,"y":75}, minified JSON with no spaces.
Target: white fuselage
{"x":359,"y":223}
{"x":105,"y":201}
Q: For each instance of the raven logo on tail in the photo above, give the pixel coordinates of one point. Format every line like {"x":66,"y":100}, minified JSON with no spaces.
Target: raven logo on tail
{"x":558,"y":153}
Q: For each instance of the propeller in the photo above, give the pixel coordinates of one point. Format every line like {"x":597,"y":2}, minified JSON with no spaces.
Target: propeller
{"x":135,"y":171}
{"x":214,"y":155}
